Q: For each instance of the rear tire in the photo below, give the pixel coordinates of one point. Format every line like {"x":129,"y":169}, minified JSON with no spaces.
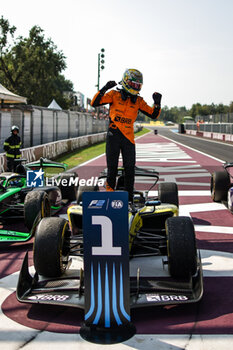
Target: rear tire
{"x":168,"y":193}
{"x":35,"y":202}
{"x":82,"y":189}
{"x":68,"y":192}
{"x":220,"y":183}
{"x":51,"y":253}
{"x":181,"y":247}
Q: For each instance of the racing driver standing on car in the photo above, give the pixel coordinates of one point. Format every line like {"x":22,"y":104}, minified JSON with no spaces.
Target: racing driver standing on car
{"x":125,"y":103}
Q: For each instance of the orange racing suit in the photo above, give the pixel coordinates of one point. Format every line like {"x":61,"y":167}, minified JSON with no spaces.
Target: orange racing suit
{"x":123,"y":112}
{"x":120,"y":137}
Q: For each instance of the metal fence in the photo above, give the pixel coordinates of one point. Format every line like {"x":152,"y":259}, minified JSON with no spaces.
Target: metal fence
{"x":223,"y":128}
{"x":42,"y":125}
{"x":216,"y":118}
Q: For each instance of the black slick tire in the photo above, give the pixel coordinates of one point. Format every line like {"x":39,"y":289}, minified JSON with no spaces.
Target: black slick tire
{"x":68,"y":192}
{"x":168,"y":193}
{"x":51,"y":251}
{"x":36,"y":202}
{"x":220,"y":183}
{"x":181,"y":247}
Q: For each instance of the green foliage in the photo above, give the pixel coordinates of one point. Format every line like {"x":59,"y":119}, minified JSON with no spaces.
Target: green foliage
{"x":32,"y":67}
{"x":5,"y":29}
{"x":202,"y":110}
{"x":174,"y":114}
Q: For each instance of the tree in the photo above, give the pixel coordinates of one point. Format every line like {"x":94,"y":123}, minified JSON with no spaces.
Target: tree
{"x":32,"y":67}
{"x":6,"y":31}
{"x":174,"y":114}
{"x":231,"y":107}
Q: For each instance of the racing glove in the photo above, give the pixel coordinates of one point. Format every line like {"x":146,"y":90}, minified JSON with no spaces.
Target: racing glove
{"x":110,"y":84}
{"x":157,"y":98}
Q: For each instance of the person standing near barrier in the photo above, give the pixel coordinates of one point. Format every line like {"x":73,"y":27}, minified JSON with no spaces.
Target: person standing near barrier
{"x":124,"y":106}
{"x":12,"y":147}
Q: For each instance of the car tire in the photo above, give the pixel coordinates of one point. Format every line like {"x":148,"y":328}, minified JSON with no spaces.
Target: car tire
{"x":220,"y":183}
{"x":181,"y":247}
{"x":82,"y":189}
{"x":68,"y":192}
{"x":35,"y":203}
{"x":51,"y":251}
{"x":168,"y":193}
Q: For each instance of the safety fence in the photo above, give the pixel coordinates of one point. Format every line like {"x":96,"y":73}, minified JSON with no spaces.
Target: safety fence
{"x":226,"y":128}
{"x":39,"y":125}
{"x":216,"y":118}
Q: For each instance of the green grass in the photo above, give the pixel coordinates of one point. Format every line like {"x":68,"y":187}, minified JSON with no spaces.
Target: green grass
{"x":82,"y":155}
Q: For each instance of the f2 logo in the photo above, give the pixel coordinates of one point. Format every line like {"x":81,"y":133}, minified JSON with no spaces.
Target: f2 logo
{"x":106,"y":237}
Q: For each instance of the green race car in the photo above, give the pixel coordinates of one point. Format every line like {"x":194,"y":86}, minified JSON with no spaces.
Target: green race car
{"x":19,"y":201}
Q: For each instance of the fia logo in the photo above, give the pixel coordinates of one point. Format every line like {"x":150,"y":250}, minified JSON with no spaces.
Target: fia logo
{"x":117,"y":204}
{"x":35,"y":178}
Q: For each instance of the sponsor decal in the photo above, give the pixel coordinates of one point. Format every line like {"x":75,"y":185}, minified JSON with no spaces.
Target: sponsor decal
{"x":122,"y":120}
{"x":159,"y":298}
{"x":116,"y":204}
{"x":29,"y":154}
{"x":10,"y":233}
{"x":96,"y":203}
{"x":55,"y":297}
{"x":2,"y":162}
{"x":35,"y":178}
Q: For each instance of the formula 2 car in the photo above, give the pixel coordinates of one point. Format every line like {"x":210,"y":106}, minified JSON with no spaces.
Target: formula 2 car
{"x":154,"y":231}
{"x":19,"y":201}
{"x":221,"y":186}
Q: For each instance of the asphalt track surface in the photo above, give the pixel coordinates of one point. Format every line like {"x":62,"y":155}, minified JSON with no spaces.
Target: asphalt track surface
{"x":217,"y":149}
{"x":205,"y":325}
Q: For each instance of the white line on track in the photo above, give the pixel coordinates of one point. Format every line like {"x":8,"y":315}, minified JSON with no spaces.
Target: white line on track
{"x":193,"y":149}
{"x":187,"y":193}
{"x":186,"y":209}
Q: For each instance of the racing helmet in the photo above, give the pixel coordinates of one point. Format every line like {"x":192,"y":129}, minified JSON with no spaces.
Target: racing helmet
{"x":132,"y":81}
{"x":14,"y":127}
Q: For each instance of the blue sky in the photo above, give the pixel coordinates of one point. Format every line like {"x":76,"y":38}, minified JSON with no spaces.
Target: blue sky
{"x":184,"y":48}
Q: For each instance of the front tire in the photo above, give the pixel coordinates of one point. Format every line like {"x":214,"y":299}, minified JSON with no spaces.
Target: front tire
{"x":181,"y":247}
{"x":35,"y":202}
{"x":168,"y":193}
{"x":220,"y":183}
{"x":69,"y":192}
{"x":51,"y":250}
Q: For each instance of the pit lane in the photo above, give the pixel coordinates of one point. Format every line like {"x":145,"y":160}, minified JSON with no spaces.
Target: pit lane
{"x":178,"y":327}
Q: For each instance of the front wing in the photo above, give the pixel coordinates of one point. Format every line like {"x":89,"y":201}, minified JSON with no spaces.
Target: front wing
{"x":68,"y":290}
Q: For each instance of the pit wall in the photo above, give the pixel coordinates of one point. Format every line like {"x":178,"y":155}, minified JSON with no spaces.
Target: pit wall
{"x":52,"y":150}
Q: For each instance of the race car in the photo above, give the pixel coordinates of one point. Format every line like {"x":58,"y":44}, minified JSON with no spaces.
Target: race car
{"x":19,"y":201}
{"x":221,"y":186}
{"x":106,"y":288}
